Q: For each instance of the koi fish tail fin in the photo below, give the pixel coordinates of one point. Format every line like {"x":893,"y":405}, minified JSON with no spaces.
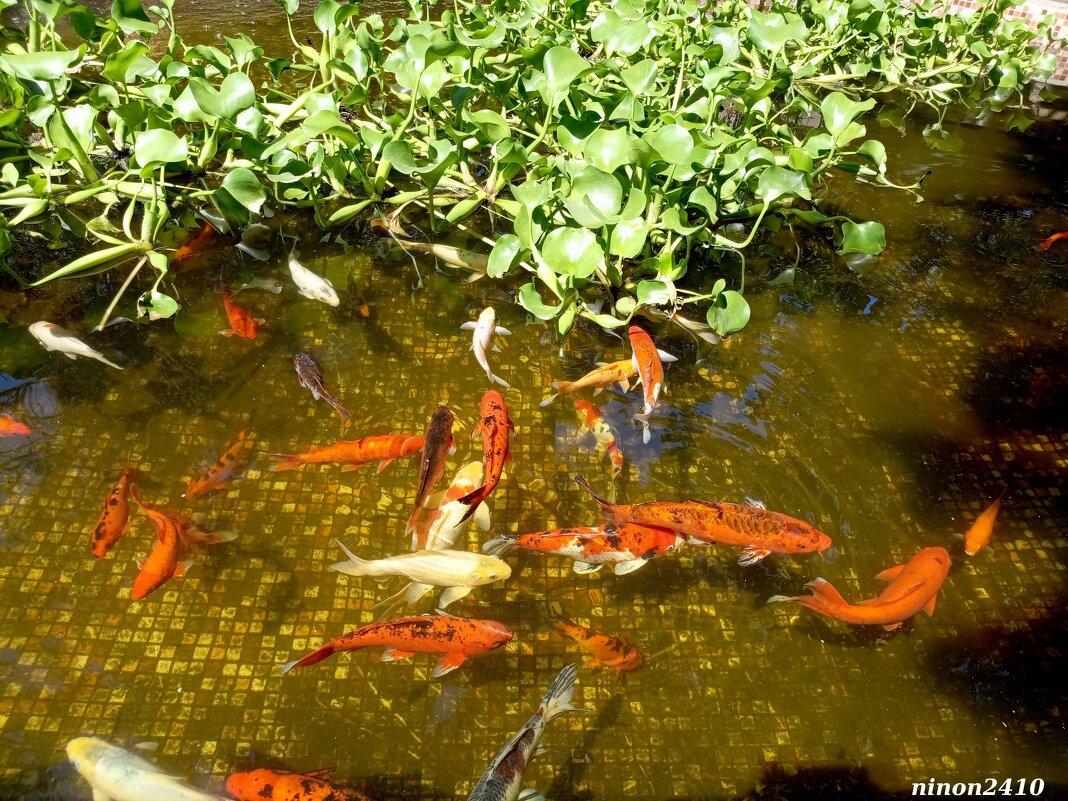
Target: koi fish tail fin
{"x":499,"y":546}
{"x":643,"y":418}
{"x":136,"y":495}
{"x":824,"y":597}
{"x":557,"y":700}
{"x":313,"y":658}
{"x":497,"y":379}
{"x":284,"y":461}
{"x":211,"y":537}
{"x":412,"y":526}
{"x":354,"y":565}
{"x":581,"y":481}
{"x":471,"y":500}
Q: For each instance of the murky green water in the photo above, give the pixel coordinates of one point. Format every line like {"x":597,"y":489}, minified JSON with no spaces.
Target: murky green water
{"x":887,"y":406}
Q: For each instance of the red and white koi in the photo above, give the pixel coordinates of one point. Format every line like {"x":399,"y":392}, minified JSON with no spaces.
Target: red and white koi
{"x":594,"y":421}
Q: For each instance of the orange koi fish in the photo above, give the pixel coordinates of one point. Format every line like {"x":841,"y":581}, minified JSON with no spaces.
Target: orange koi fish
{"x":496,"y":427}
{"x":224,"y":468}
{"x":195,"y":243}
{"x":242,"y":323}
{"x":455,"y":637}
{"x":626,"y":547}
{"x":10,"y":427}
{"x":913,"y":586}
{"x":271,"y":785}
{"x":979,"y":534}
{"x":615,"y":373}
{"x":758,"y":531}
{"x":592,"y":419}
{"x":648,"y":364}
{"x":1045,"y":243}
{"x":115,"y":519}
{"x":176,"y":534}
{"x":606,"y":650}
{"x":437,"y":445}
{"x":382,"y":448}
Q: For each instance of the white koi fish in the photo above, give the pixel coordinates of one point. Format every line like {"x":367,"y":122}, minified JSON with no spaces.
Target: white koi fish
{"x":117,"y":775}
{"x":52,"y":337}
{"x":311,"y":285}
{"x":458,"y":571}
{"x":445,"y":522}
{"x":504,"y":776}
{"x":481,"y":340}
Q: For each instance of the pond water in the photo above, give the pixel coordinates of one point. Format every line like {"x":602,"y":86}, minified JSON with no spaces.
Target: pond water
{"x":886,"y":403}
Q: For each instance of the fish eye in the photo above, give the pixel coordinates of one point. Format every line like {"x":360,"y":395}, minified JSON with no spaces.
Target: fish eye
{"x":492,"y":575}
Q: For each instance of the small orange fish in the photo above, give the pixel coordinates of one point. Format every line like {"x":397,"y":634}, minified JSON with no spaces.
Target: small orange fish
{"x":115,"y":519}
{"x":606,"y":650}
{"x":195,"y":243}
{"x":615,"y":373}
{"x":224,"y":468}
{"x":1045,"y":243}
{"x":978,"y":535}
{"x":648,"y":364}
{"x":592,"y":419}
{"x":271,"y":785}
{"x":382,"y":448}
{"x":175,"y":534}
{"x":497,"y":429}
{"x":455,"y":637}
{"x":10,"y":427}
{"x":242,"y":323}
{"x":912,"y":587}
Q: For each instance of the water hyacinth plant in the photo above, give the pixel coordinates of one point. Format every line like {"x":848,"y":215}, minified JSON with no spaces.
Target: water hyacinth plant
{"x":614,"y":146}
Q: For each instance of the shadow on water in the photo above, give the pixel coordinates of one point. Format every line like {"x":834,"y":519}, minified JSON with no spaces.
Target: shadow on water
{"x":562,"y":787}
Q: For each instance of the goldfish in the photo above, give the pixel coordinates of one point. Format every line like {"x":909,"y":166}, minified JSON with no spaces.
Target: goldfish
{"x":626,"y":547}
{"x":52,"y":337}
{"x":382,"y":448}
{"x":504,"y":776}
{"x":496,"y":427}
{"x":117,"y":775}
{"x":605,"y":650}
{"x":455,"y":637}
{"x":176,"y":534}
{"x":912,"y":586}
{"x":272,"y":785}
{"x":312,"y":286}
{"x":242,"y":323}
{"x":757,"y":530}
{"x":457,"y":571}
{"x":592,"y":419}
{"x":437,"y":445}
{"x":648,"y":364}
{"x":1045,"y":243}
{"x":482,"y":338}
{"x":195,"y":243}
{"x":615,"y":373}
{"x":446,"y":521}
{"x":115,"y":519}
{"x":10,"y":427}
{"x":224,"y":468}
{"x":311,"y":377}
{"x":978,"y":535}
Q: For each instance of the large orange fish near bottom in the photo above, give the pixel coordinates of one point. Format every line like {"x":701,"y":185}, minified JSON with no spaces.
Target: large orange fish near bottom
{"x":497,"y":429}
{"x":271,"y":785}
{"x":912,"y":587}
{"x":382,"y":448}
{"x":455,"y":637}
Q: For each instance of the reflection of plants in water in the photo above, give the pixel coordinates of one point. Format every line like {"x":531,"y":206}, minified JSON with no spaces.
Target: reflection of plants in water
{"x":621,"y":141}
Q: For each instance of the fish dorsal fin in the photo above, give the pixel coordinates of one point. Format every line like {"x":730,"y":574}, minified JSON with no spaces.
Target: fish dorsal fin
{"x":890,"y":573}
{"x":756,"y":503}
{"x":530,"y":794}
{"x":821,"y":588}
{"x":322,"y":774}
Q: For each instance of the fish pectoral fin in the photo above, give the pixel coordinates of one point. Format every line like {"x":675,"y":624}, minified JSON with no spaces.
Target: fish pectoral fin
{"x":890,"y":573}
{"x":448,"y":663}
{"x":348,"y":468}
{"x":929,"y":607}
{"x":140,"y":564}
{"x":495,"y":349}
{"x":665,"y":356}
{"x":70,"y":356}
{"x":624,"y":385}
{"x":623,"y":568}
{"x":751,"y":555}
{"x":482,"y":516}
{"x":892,"y":626}
{"x":530,"y":794}
{"x":395,"y":654}
{"x":383,"y":465}
{"x":470,"y":325}
{"x":502,"y":331}
{"x":585,"y":567}
{"x":452,"y":594}
{"x":181,"y":568}
{"x":322,"y":774}
{"x":414,"y":591}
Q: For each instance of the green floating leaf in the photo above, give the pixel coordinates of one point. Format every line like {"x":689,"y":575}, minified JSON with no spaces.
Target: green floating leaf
{"x":628,"y":238}
{"x":530,"y":299}
{"x":729,"y":313}
{"x":771,"y":32}
{"x":607,"y":149}
{"x":572,"y":251}
{"x":131,"y":18}
{"x":156,"y":305}
{"x":673,"y":143}
{"x":503,"y":255}
{"x":562,"y":66}
{"x":39,"y":66}
{"x":865,"y":237}
{"x":655,"y":293}
{"x":159,"y":146}
{"x":235,"y":94}
{"x":595,"y":198}
{"x":776,"y":182}
{"x":839,"y":112}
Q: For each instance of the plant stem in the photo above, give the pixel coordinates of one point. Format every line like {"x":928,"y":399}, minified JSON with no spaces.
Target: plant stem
{"x":122,"y":290}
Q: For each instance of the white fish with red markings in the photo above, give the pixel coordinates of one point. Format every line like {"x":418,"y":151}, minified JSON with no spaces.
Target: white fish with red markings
{"x":503,"y":777}
{"x":482,"y":339}
{"x":52,"y":337}
{"x":117,"y":775}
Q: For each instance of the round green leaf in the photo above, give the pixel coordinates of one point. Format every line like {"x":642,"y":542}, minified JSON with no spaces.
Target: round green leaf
{"x":775,"y":182}
{"x":655,"y":293}
{"x":572,"y":251}
{"x":628,"y":238}
{"x":595,"y":197}
{"x":235,"y":94}
{"x":160,"y":146}
{"x":673,"y":143}
{"x":865,"y":237}
{"x":729,"y":313}
{"x":156,"y":305}
{"x":562,"y":66}
{"x":40,"y":66}
{"x":503,"y":255}
{"x":607,"y":149}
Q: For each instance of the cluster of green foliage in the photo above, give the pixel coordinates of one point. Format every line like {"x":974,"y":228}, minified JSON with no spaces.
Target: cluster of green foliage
{"x":624,"y":141}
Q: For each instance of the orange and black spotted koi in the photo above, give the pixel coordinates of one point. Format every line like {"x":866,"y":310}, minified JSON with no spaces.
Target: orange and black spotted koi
{"x":496,"y":428}
{"x":224,"y":468}
{"x":115,"y":519}
{"x":272,"y":785}
{"x":606,"y":650}
{"x":455,"y":637}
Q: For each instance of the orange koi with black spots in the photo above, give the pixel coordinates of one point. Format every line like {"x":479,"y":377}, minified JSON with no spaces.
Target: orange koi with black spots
{"x":606,"y":650}
{"x":224,"y":468}
{"x":272,"y":785}
{"x":115,"y":519}
{"x":497,"y":429}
